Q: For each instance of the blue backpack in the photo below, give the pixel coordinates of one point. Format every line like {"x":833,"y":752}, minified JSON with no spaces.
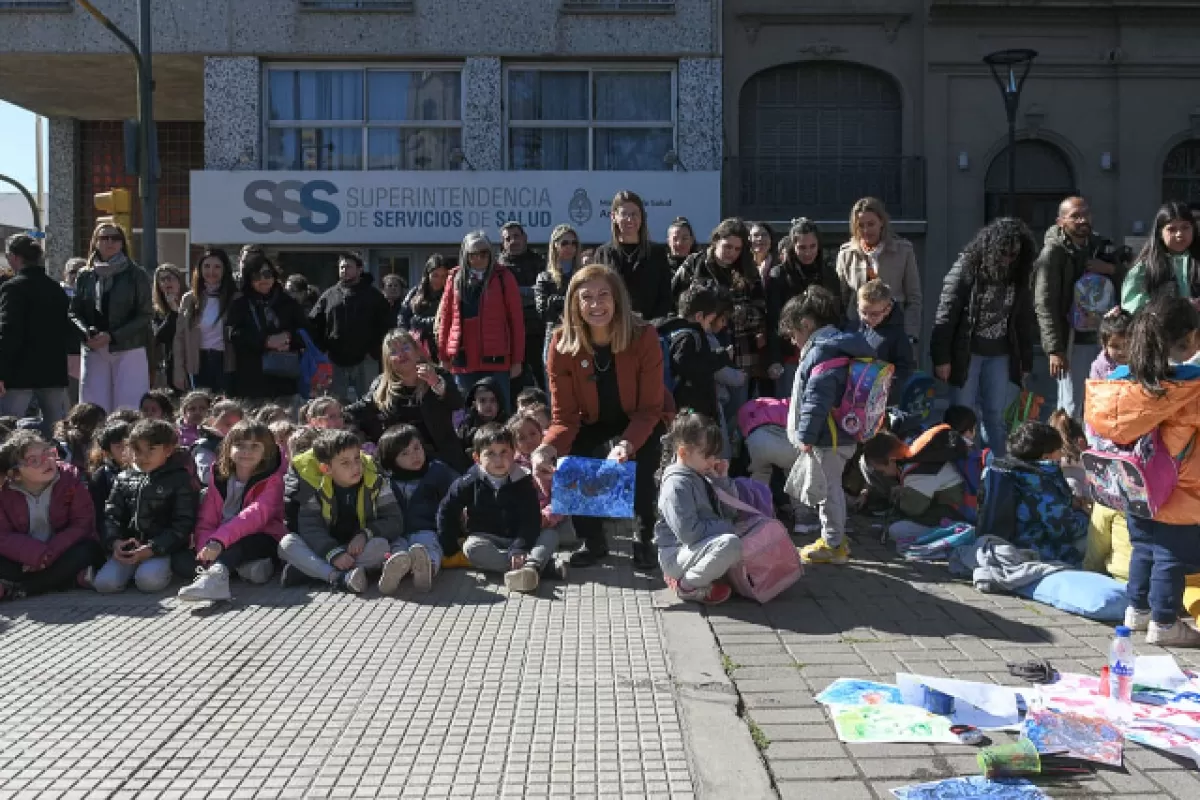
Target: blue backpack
{"x":997,"y":512}
{"x":316,"y":371}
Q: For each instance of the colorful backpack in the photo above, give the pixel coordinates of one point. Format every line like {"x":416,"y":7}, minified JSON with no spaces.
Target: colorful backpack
{"x":918,"y":394}
{"x":1137,"y":479}
{"x":770,"y":562}
{"x":864,"y":404}
{"x":762,"y":411}
{"x":1094,"y":297}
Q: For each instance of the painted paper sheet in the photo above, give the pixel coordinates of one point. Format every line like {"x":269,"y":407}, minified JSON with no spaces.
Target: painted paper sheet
{"x":1080,"y":694}
{"x":970,"y":788}
{"x":855,"y":692}
{"x":982,"y":705}
{"x":890,"y":723}
{"x":593,"y":487}
{"x":1089,"y":738}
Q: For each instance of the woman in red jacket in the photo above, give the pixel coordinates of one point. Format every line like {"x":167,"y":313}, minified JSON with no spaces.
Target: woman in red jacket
{"x":607,"y":398}
{"x":47,"y":525}
{"x":481,"y":327}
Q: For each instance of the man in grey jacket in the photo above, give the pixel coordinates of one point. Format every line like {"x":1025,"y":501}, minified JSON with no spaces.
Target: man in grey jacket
{"x":694,"y":534}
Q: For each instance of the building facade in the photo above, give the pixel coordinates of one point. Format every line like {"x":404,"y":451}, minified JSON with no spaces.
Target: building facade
{"x":392,"y":126}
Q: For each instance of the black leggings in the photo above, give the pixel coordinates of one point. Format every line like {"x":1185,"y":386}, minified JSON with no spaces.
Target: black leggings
{"x":59,"y":576}
{"x":249,"y":548}
{"x":596,"y":441}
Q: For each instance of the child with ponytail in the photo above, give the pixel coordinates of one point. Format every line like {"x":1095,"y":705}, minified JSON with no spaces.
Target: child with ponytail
{"x":1157,"y":389}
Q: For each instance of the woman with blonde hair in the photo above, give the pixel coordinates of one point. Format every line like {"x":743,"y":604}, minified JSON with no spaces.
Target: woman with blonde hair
{"x":112,"y":308}
{"x":412,"y":390}
{"x":550,"y":289}
{"x":875,"y":252}
{"x":607,"y":398}
{"x":169,"y":284}
{"x":635,"y":258}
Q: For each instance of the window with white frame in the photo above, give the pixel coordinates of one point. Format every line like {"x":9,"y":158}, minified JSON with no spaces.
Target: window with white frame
{"x":592,"y":118}
{"x":352,"y":118}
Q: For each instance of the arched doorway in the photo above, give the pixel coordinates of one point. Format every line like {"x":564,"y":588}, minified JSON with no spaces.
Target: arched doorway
{"x":1044,"y":179}
{"x":815,"y":137}
{"x":1181,"y":173}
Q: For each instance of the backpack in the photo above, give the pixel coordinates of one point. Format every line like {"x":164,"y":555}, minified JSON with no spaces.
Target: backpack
{"x":864,"y":404}
{"x":756,"y":494}
{"x":762,"y":411}
{"x":917,"y":395}
{"x":316,"y":371}
{"x":997,"y":509}
{"x":664,"y":341}
{"x":1136,"y":480}
{"x":1094,"y":297}
{"x":770,"y":562}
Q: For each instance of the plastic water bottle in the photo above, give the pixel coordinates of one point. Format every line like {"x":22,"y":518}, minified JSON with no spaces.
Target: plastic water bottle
{"x":1120,"y":675}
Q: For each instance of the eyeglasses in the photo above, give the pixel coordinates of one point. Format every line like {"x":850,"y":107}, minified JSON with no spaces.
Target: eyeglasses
{"x":110,"y":238}
{"x":35,"y":460}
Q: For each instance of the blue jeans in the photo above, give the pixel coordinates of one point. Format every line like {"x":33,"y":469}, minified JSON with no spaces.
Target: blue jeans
{"x":986,"y":391}
{"x":466,"y":380}
{"x":1071,"y":387}
{"x":1163,"y":555}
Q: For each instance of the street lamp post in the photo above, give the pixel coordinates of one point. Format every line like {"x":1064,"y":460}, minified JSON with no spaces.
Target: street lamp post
{"x":1010,"y":68}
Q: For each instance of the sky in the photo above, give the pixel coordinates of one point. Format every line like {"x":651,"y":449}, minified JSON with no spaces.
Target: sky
{"x":17,"y":151}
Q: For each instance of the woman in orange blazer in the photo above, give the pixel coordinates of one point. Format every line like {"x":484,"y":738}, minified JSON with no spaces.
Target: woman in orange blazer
{"x":607,"y":398}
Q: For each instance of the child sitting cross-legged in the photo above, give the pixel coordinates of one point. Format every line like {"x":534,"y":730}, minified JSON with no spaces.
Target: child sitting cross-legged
{"x":544,"y":464}
{"x":221,"y":418}
{"x":110,"y":457}
{"x":47,"y":531}
{"x":241,"y":516}
{"x":341,"y":516}
{"x":150,"y":513}
{"x":192,"y":412}
{"x":503,"y":525}
{"x":694,"y":533}
{"x":483,"y":406}
{"x":419,"y":484}
{"x":927,"y":486}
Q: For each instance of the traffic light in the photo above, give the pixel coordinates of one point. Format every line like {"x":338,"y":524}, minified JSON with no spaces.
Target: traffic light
{"x":118,"y":205}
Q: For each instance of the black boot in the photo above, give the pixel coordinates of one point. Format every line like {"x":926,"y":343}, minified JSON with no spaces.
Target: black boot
{"x":589,"y":553}
{"x":645,"y":556}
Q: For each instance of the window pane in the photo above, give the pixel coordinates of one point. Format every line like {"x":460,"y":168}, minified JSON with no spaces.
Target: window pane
{"x":315,"y":95}
{"x":633,"y":148}
{"x":542,"y":95}
{"x":314,"y":148}
{"x":633,"y":96}
{"x":547,"y":148}
{"x":412,"y":148}
{"x":413,"y":96}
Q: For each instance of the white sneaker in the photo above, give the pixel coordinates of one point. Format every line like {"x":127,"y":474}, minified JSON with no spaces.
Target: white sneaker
{"x":524,"y":579}
{"x":1138,"y":621}
{"x":258,"y":571}
{"x":422,"y":568}
{"x":210,"y":584}
{"x":354,"y":580}
{"x":394,"y":570}
{"x":1178,"y":635}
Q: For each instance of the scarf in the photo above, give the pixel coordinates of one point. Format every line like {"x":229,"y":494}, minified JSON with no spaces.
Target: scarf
{"x":265,"y":305}
{"x":107,"y":274}
{"x":407,"y":475}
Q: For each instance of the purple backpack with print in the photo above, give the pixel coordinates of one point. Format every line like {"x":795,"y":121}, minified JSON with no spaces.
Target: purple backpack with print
{"x":864,"y":403}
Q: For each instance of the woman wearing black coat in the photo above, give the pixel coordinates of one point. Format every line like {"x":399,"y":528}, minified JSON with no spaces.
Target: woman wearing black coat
{"x":418,"y":310}
{"x":640,"y":263}
{"x":550,"y":288}
{"x":263,"y":319}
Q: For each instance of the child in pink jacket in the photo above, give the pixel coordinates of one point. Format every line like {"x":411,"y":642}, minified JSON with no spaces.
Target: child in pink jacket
{"x":241,"y":518}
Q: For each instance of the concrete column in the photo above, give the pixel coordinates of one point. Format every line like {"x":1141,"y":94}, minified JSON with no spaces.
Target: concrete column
{"x":483,"y":137}
{"x":698,"y":132}
{"x":232,"y":113}
{"x":64,"y":203}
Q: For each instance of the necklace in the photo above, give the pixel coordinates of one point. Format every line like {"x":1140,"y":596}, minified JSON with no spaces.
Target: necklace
{"x":607,"y":366}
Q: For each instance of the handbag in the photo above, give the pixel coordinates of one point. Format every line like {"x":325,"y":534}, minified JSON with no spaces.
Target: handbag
{"x":274,"y":363}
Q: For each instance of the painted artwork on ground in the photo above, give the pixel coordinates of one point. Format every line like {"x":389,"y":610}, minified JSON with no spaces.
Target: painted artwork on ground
{"x":890,"y":723}
{"x":972,"y":788}
{"x":855,"y":692}
{"x":593,"y":487}
{"x":1076,"y":735}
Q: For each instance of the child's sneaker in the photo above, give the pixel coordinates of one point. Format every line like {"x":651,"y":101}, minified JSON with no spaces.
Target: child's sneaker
{"x":456,"y":561}
{"x":86,"y":579}
{"x":210,"y":584}
{"x":258,"y":571}
{"x":556,"y":568}
{"x":352,"y":580}
{"x":1137,"y":620}
{"x":422,"y":568}
{"x":821,"y":553}
{"x":712,"y":595}
{"x":394,"y":570}
{"x":1178,"y":635}
{"x":524,"y":579}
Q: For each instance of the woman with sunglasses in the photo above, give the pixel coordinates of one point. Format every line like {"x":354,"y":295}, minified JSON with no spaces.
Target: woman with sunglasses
{"x":264,"y":319}
{"x":550,"y":289}
{"x":481,"y":326}
{"x":112,"y":308}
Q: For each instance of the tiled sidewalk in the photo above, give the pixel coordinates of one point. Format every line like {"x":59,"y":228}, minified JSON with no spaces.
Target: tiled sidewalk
{"x":880,"y":615}
{"x":462,"y":693}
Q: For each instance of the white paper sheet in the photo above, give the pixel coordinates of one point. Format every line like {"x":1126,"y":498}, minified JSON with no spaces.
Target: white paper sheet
{"x":983,"y":705}
{"x":1161,"y":672}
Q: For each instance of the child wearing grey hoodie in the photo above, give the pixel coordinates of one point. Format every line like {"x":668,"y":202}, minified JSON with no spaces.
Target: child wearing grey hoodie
{"x":694,"y":534}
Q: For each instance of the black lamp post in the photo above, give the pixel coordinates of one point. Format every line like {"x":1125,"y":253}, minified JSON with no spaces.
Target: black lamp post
{"x":1010,"y":68}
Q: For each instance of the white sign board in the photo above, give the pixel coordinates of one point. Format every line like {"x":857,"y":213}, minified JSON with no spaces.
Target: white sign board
{"x":391,"y":208}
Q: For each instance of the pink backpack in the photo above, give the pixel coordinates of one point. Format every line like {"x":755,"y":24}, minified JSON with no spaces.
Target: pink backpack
{"x":864,"y":403}
{"x":770,"y":562}
{"x":1137,"y":479}
{"x":762,"y":411}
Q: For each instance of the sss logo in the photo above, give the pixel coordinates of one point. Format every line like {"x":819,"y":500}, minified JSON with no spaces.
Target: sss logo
{"x":291,"y":207}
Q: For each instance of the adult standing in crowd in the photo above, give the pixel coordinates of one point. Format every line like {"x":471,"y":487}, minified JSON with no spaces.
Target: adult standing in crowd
{"x":71,"y":271}
{"x":1067,"y":253}
{"x":34,"y":336}
{"x":349,"y":323}
{"x":412,"y":390}
{"x":203,"y":353}
{"x":392,"y":286}
{"x":525,"y":265}
{"x":264,"y":330}
{"x":762,"y":248}
{"x":608,"y":399}
{"x":550,"y":291}
{"x":984,"y":328}
{"x":481,"y":326}
{"x":803,"y":265}
{"x":681,"y":243}
{"x":641,"y":263}
{"x":112,"y":308}
{"x":418,"y":312}
{"x":168,"y":291}
{"x":298,"y":287}
{"x":1169,"y":264}
{"x":875,"y":252}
